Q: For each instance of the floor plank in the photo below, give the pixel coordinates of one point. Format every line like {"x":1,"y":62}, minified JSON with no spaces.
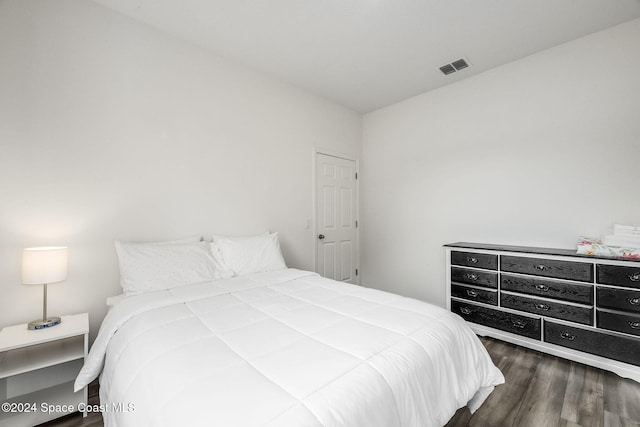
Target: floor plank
{"x":615,"y":420}
{"x":583,"y":399}
{"x":549,"y":380}
{"x":622,"y":397}
{"x":506,"y":411}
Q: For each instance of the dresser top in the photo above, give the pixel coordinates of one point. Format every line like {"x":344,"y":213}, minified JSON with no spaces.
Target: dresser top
{"x":533,"y":250}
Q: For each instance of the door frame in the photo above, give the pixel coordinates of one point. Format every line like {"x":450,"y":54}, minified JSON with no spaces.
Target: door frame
{"x":314,"y":182}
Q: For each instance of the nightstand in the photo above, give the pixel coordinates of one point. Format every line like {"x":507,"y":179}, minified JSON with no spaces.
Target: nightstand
{"x":38,"y":368}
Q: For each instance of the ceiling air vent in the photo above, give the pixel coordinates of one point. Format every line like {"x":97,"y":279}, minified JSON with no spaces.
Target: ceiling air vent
{"x":447,"y":69}
{"x":457,"y":65}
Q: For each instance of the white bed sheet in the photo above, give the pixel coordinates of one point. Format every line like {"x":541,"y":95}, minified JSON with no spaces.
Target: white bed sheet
{"x":285,"y":348}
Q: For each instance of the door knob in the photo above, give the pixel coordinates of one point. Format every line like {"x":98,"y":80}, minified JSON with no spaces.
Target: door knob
{"x":320,"y":236}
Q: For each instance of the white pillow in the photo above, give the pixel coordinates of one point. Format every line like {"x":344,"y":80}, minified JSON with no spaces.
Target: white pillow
{"x":253,"y":254}
{"x":115,"y":300}
{"x":151,"y":267}
{"x":222,"y":270}
{"x":191,"y":239}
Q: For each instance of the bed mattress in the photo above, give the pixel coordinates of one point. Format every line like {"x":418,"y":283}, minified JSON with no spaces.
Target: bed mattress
{"x":285,"y":348}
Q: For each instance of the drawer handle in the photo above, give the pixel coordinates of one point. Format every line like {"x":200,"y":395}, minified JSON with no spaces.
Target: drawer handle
{"x":543,"y":307}
{"x":519,"y":323}
{"x":465,"y":310}
{"x":542,"y":288}
{"x":472,"y":260}
{"x":634,"y":301}
{"x":472,"y":293}
{"x":540,"y":267}
{"x":567,"y":336}
{"x":471,"y":276}
{"x":635,"y":277}
{"x":634,"y":325}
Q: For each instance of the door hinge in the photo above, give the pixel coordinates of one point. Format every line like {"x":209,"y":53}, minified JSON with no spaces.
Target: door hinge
{"x":356,"y":175}
{"x":356,"y":223}
{"x":356,"y":271}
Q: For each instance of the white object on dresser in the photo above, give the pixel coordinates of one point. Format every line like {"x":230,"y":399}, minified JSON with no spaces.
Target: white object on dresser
{"x":38,"y":368}
{"x":579,"y":307}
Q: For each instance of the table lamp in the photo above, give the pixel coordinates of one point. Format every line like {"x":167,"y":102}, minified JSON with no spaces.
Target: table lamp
{"x":42,"y":266}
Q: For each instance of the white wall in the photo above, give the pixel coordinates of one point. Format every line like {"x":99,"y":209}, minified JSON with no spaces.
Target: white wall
{"x":536,"y":152}
{"x":112,"y":130}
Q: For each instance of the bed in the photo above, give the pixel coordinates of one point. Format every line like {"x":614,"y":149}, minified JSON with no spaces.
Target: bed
{"x":280,"y":347}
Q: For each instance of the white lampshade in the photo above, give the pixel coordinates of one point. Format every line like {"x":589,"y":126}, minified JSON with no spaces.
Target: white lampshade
{"x":44,"y":265}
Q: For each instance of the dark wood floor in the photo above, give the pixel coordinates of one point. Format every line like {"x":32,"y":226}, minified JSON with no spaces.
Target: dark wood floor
{"x":540,"y":391}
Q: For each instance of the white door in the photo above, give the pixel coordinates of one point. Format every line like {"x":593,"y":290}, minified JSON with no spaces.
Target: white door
{"x":336,"y":218}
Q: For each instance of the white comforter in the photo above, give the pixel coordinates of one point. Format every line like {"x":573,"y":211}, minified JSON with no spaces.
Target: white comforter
{"x":286,"y":348}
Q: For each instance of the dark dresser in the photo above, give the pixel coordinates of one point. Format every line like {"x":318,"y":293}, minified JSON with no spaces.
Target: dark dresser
{"x":578,"y":307}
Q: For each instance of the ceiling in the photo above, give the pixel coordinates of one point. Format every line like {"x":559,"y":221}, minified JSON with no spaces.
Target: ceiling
{"x":367,"y":54}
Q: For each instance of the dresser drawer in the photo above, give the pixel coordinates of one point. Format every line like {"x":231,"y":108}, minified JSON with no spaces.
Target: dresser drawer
{"x":474,"y":277}
{"x":618,"y":299}
{"x":514,"y":323}
{"x":627,"y":323}
{"x":578,"y":271}
{"x":470,"y":259}
{"x":548,"y":288}
{"x":623,"y":349}
{"x":618,"y":275}
{"x":548,"y":308}
{"x":475,"y":294}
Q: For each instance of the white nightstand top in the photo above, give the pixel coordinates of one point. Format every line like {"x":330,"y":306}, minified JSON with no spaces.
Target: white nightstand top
{"x":18,"y":336}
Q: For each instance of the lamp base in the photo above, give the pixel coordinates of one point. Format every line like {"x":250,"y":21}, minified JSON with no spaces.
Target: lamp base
{"x":44,"y":323}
